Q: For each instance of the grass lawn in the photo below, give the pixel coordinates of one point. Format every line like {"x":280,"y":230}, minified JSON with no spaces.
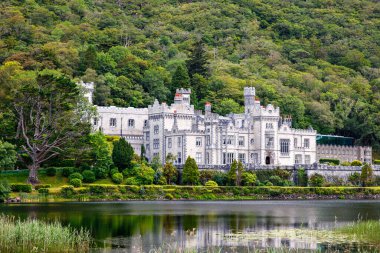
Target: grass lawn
{"x":22,"y":177}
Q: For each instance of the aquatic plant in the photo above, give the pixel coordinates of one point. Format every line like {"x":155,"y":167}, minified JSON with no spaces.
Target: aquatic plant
{"x":365,"y":231}
{"x":37,"y":236}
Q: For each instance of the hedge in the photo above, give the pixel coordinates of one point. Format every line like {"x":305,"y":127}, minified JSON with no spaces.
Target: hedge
{"x":377,"y":162}
{"x":329,"y":160}
{"x":40,"y":186}
{"x":21,"y":187}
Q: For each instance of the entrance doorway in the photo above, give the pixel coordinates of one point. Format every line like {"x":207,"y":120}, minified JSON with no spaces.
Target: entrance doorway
{"x":267,"y":160}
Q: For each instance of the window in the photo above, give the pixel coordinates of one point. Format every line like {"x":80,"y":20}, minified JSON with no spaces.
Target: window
{"x":242,"y":157}
{"x":284,"y":146}
{"x":255,"y":158}
{"x":147,"y":136}
{"x":112,"y":122}
{"x":306,"y":143}
{"x":169,"y":142}
{"x":156,"y":155}
{"x":295,"y":142}
{"x":230,"y":140}
{"x":156,"y":143}
{"x":269,"y":142}
{"x":269,"y":125}
{"x":147,"y":147}
{"x":242,"y":123}
{"x":307,"y":159}
{"x":298,"y":159}
{"x":131,"y":123}
{"x":228,"y":158}
{"x":96,"y":121}
{"x":156,"y":129}
{"x":198,"y":142}
{"x":179,"y":142}
{"x":207,"y":158}
{"x":145,"y":123}
{"x":208,"y":140}
{"x":179,"y":158}
{"x":252,"y":141}
{"x":198,"y":157}
{"x":241,"y":140}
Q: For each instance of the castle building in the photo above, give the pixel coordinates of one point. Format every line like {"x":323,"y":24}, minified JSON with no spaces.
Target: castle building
{"x":342,"y":148}
{"x":259,"y":136}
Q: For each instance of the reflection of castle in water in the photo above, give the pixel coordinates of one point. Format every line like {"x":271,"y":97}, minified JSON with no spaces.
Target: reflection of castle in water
{"x":212,"y":231}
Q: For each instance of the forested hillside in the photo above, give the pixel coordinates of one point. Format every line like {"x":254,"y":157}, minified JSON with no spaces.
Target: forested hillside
{"x":318,"y":60}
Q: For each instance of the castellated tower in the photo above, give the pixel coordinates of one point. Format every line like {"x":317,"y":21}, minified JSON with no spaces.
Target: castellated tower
{"x":182,"y":96}
{"x":249,"y":99}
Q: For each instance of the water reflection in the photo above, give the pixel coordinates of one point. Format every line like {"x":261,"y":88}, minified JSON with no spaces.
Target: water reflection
{"x":141,"y":226}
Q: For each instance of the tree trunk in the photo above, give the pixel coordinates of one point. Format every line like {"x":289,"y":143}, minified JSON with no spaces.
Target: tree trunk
{"x":33,"y":176}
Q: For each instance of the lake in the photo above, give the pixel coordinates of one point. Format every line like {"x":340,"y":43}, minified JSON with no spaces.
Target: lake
{"x":139,"y":226}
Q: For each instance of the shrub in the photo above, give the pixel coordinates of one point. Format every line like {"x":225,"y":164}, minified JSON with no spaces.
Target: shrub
{"x":131,"y":181}
{"x":117,"y":178}
{"x":248,"y":179}
{"x":21,"y":187}
{"x":169,"y":196}
{"x":354,"y":179}
{"x":346,"y":163}
{"x":113,"y":171}
{"x":67,"y":171}
{"x":161,"y":180}
{"x":302,"y":179}
{"x":328,"y":161}
{"x":283,"y":174}
{"x":122,"y":154}
{"x":76,"y":182}
{"x":211,"y":183}
{"x":67,"y":191}
{"x":377,"y":162}
{"x":316,"y":180}
{"x":206,"y":175}
{"x":5,"y":189}
{"x":268,"y":183}
{"x":356,"y":163}
{"x":220,"y":178}
{"x":102,"y":189}
{"x":51,"y":172}
{"x":76,"y":175}
{"x":276,"y":180}
{"x":367,"y":175}
{"x":88,"y":176}
{"x":39,"y":186}
{"x":43,"y":190}
{"x":190,"y":173}
{"x":144,"y":174}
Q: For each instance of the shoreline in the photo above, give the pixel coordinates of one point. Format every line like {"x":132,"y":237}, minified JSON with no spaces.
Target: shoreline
{"x":117,"y":193}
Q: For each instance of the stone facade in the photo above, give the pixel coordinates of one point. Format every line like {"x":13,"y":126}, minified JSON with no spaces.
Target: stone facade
{"x":259,"y":136}
{"x":345,"y":153}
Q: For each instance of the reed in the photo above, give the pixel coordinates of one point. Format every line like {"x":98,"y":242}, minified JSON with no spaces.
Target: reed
{"x":365,"y":231}
{"x":37,"y":236}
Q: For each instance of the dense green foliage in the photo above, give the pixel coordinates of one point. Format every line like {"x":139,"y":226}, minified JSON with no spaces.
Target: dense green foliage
{"x":8,"y":156}
{"x":367,"y":175}
{"x":122,"y":154}
{"x":190,"y":174}
{"x":318,"y":60}
{"x":5,"y":189}
{"x":329,"y":161}
{"x":316,"y":180}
